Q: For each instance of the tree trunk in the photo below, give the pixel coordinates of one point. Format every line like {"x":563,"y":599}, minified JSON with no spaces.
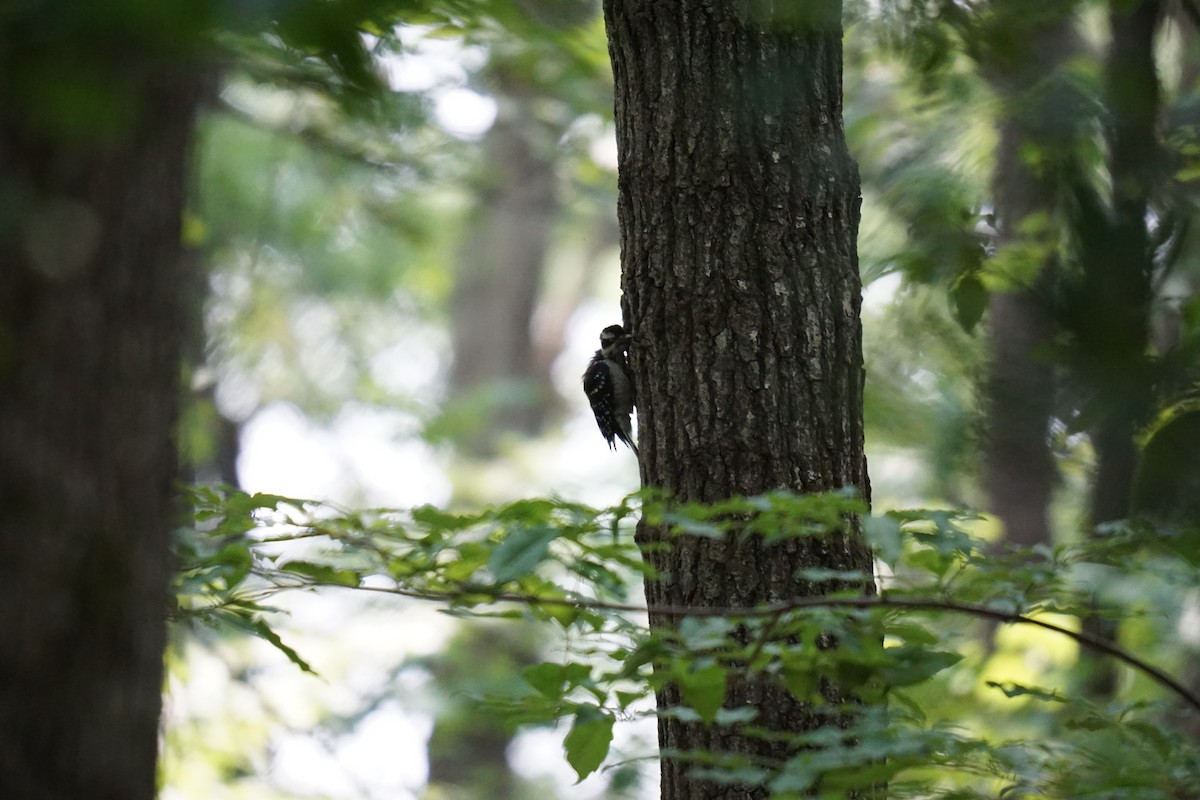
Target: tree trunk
{"x":739,"y":207}
{"x":1117,"y":333}
{"x":502,"y":354}
{"x":1019,"y":470}
{"x":500,"y":275}
{"x":1019,"y":390}
{"x":1119,"y":274}
{"x":91,"y":197}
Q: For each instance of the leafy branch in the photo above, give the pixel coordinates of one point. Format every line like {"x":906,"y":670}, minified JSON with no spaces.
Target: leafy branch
{"x":574,"y":565}
{"x":777,"y":610}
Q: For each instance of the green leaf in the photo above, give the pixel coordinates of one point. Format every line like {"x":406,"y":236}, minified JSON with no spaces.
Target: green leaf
{"x":554,"y":680}
{"x":1152,"y":734}
{"x":701,"y":633}
{"x":797,"y":776}
{"x":238,"y":558}
{"x":546,"y":678}
{"x":264,"y":500}
{"x":969,"y":298}
{"x":911,"y":705}
{"x":730,"y":716}
{"x":588,"y":741}
{"x":885,"y":537}
{"x":693,"y":527}
{"x":930,"y":561}
{"x":703,"y":689}
{"x":800,"y":682}
{"x":911,"y":632}
{"x":264,"y":631}
{"x":564,"y":615}
{"x":908,"y":665}
{"x":520,"y":552}
{"x":727,"y":776}
{"x":1017,"y":690}
{"x":626,"y":699}
{"x":435,"y":519}
{"x":322,"y":573}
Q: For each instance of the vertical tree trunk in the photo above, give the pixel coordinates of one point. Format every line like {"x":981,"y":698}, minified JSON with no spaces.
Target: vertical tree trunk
{"x":497,"y":350}
{"x":1019,"y":470}
{"x":1117,"y":333}
{"x":1117,"y":329}
{"x":500,"y":275}
{"x":91,"y":197}
{"x":1019,"y":390}
{"x":739,"y":206}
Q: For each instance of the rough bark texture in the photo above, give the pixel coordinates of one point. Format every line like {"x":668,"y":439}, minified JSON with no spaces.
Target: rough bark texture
{"x":90,"y":322}
{"x":739,"y":207}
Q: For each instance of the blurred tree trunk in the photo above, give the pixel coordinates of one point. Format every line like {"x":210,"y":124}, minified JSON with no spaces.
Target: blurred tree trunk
{"x":1114,"y":325}
{"x":502,"y":354}
{"x":1024,"y":71}
{"x":739,"y":207}
{"x":1019,"y":470}
{"x":468,"y":747}
{"x":216,"y":440}
{"x":93,"y":145}
{"x":500,"y":273}
{"x":1120,"y":273}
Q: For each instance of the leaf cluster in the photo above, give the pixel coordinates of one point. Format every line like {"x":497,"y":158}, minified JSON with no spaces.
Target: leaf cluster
{"x":871,"y":665}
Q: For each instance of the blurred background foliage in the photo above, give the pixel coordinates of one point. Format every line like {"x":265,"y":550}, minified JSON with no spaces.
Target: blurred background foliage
{"x":406,"y":212}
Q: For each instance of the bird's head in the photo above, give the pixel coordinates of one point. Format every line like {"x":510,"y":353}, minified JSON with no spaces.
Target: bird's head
{"x":614,"y":338}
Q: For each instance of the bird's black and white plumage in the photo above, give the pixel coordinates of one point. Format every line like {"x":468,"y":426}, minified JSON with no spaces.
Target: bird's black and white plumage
{"x":608,"y":384}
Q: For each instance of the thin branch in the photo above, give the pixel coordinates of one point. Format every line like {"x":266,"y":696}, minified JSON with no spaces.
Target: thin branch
{"x":767,"y":631}
{"x":776,"y":610}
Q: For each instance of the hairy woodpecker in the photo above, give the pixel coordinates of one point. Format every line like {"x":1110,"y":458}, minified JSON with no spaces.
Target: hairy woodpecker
{"x":609,"y":387}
